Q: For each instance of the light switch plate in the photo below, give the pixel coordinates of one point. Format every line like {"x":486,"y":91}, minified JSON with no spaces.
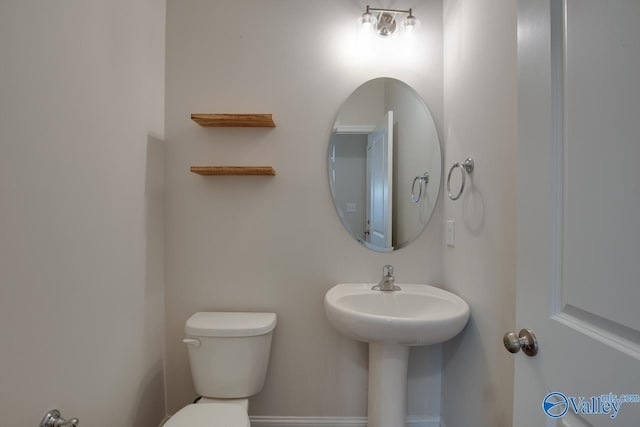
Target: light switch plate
{"x":451,"y":233}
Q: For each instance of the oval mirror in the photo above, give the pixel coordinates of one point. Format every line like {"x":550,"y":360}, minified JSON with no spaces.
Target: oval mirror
{"x":384,"y":164}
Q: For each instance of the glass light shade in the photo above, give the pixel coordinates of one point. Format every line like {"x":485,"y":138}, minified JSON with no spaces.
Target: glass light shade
{"x":368,"y":21}
{"x":411,"y":23}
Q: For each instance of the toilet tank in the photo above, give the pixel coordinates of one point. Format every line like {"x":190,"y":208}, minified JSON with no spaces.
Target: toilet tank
{"x":229,"y":352}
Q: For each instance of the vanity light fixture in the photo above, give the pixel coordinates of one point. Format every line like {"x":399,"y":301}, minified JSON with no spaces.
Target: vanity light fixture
{"x":384,"y":23}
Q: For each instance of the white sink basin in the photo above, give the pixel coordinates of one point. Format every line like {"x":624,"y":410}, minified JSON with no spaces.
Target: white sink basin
{"x":391,"y":322}
{"x":415,"y":315}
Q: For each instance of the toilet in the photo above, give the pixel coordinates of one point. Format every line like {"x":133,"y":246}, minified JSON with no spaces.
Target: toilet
{"x":229,"y":356}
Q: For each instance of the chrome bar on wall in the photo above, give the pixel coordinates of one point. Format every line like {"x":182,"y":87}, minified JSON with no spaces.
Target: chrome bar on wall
{"x":466,"y":168}
{"x":423,"y":180}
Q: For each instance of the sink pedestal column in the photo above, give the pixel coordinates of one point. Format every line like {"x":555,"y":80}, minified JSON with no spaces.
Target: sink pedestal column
{"x":387,"y":405}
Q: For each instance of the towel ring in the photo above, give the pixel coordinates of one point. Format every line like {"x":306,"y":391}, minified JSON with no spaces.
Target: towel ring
{"x":466,"y":167}
{"x":422,"y":180}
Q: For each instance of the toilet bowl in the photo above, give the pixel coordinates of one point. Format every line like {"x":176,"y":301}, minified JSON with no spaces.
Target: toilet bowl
{"x":229,"y":357}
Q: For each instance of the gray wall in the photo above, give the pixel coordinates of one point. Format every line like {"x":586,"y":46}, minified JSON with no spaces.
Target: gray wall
{"x":81,"y":211}
{"x":82,"y":222}
{"x":480,"y":106}
{"x":276,"y":244}
{"x":351,"y":179}
{"x":417,"y":149}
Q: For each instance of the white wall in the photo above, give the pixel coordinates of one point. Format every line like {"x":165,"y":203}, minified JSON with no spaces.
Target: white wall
{"x":81,"y":277}
{"x":480,"y":108}
{"x":276,"y":244}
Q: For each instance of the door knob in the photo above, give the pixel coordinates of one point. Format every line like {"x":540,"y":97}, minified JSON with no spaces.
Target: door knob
{"x":525,"y":340}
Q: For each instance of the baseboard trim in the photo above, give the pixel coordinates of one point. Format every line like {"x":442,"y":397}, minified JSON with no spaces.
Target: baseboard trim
{"x":264,"y":421}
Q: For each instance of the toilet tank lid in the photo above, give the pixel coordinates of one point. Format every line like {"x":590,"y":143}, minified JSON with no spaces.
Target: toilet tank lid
{"x":230,"y":324}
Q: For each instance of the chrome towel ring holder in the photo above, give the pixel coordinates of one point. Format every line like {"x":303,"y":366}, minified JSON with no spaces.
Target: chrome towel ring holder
{"x":466,"y":167}
{"x":422,"y":180}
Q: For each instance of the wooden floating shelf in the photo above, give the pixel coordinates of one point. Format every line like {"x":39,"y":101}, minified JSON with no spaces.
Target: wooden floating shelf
{"x":233,"y":170}
{"x":234,"y":120}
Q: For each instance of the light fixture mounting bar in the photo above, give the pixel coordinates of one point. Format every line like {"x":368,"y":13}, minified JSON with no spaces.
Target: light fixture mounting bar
{"x":385,"y":24}
{"x":374,"y":9}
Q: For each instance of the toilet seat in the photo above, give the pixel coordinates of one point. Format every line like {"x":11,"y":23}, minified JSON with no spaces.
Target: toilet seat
{"x":210,"y":415}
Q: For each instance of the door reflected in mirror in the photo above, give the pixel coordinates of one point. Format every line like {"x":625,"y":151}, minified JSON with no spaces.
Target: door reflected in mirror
{"x":385,"y":164}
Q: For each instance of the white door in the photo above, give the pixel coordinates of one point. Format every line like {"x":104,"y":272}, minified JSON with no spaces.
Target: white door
{"x":380,"y":183}
{"x":579,"y":212}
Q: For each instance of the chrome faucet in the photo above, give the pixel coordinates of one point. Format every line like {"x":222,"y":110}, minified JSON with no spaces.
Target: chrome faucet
{"x":54,"y":419}
{"x":388,"y":282}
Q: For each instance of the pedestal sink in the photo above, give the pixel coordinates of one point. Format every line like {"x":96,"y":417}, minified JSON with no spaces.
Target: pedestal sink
{"x":391,"y":322}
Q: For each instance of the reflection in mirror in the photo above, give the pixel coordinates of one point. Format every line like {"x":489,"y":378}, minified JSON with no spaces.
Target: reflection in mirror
{"x":385,"y":164}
